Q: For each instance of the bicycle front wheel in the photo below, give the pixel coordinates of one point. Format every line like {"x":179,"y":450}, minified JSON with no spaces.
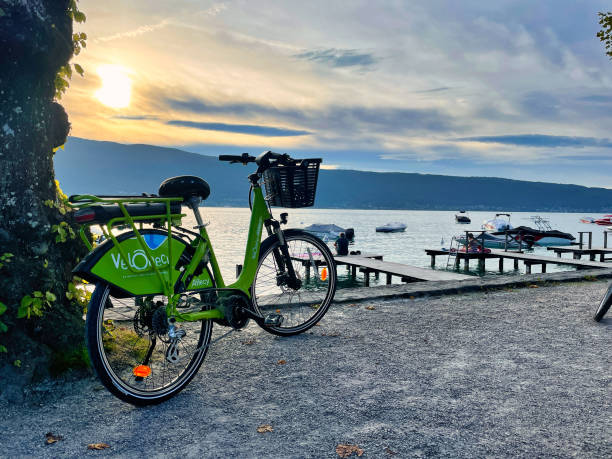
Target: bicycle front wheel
{"x":136,"y":355}
{"x":301,"y":306}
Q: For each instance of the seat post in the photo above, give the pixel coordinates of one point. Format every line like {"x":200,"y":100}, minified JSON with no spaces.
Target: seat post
{"x":194,"y":204}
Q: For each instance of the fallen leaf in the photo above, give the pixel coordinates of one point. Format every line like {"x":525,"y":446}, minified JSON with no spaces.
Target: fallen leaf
{"x":352,"y":305}
{"x":249,"y":341}
{"x":389,"y":452}
{"x":278,"y":311}
{"x":51,"y":438}
{"x":534,"y":286}
{"x":265,"y":428}
{"x":282,"y":362}
{"x":333,"y":334}
{"x":348,"y":450}
{"x":370,"y":308}
{"x":318,"y":325}
{"x":412,"y":298}
{"x":98,"y":446}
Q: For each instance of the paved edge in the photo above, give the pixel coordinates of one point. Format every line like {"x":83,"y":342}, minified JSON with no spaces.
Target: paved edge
{"x":420,"y":289}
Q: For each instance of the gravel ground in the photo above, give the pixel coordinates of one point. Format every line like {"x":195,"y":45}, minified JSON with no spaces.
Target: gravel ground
{"x":523,"y":372}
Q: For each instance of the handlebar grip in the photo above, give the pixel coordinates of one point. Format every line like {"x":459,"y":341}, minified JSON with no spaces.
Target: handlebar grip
{"x":229,"y":158}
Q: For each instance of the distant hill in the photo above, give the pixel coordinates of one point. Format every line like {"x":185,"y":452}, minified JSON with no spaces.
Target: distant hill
{"x":87,"y":166}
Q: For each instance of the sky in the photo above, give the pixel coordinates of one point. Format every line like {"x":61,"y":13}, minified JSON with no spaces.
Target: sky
{"x":519,"y":89}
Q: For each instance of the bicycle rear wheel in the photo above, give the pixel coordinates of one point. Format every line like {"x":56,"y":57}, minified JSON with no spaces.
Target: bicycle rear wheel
{"x":604,"y":305}
{"x":315,"y":268}
{"x":135,"y":354}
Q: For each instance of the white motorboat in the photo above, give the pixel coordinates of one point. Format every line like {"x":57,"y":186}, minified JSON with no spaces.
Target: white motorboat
{"x":392,"y":227}
{"x":498,"y":223}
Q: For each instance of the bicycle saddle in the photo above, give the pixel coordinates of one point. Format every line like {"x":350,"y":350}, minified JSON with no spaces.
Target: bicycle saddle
{"x":184,"y":186}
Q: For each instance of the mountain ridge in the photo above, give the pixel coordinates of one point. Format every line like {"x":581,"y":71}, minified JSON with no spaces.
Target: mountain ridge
{"x":103,"y":167}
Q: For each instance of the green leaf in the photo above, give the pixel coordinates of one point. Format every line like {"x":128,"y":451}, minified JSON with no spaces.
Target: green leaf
{"x":3,"y":349}
{"x":50,"y":297}
{"x":38,"y":294}
{"x":26,"y":301}
{"x":2,"y":308}
{"x":3,"y":327}
{"x":79,"y":69}
{"x":23,"y":311}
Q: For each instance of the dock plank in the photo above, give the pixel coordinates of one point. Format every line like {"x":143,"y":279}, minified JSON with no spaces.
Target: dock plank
{"x":399,"y":269}
{"x":546,"y":259}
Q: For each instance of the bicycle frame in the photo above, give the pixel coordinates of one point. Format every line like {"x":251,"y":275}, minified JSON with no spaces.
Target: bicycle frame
{"x":260,"y":214}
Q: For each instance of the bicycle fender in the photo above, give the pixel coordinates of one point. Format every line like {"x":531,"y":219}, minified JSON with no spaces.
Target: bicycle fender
{"x":135,"y":276}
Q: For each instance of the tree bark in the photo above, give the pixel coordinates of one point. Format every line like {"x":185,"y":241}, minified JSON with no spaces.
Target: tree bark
{"x":35,"y":41}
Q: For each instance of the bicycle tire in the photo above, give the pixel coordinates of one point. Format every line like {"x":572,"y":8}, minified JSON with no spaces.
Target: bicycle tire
{"x":315,"y":294}
{"x":604,"y":305}
{"x":116,"y":346}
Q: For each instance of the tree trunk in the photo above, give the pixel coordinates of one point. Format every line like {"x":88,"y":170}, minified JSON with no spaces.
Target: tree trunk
{"x":35,"y":41}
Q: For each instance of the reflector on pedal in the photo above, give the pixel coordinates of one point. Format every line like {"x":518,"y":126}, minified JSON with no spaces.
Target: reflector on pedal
{"x":142,"y":371}
{"x":324,"y":274}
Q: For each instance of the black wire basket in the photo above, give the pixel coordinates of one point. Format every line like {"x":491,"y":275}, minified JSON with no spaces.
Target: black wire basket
{"x":292,"y":186}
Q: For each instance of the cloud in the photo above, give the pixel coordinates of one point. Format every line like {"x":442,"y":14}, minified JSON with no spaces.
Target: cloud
{"x":135,"y":117}
{"x":134,"y":33}
{"x":240,"y":128}
{"x":539,"y":140}
{"x":336,"y":118}
{"x":339,"y":57}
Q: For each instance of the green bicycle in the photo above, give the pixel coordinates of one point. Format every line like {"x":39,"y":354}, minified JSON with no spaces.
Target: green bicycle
{"x":158,"y":286}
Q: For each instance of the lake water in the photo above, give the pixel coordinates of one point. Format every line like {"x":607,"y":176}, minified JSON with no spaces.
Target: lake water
{"x":426,"y":229}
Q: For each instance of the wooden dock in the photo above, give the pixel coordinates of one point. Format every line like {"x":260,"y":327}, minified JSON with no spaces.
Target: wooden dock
{"x":528,"y":259}
{"x":577,"y":252}
{"x":373,"y":264}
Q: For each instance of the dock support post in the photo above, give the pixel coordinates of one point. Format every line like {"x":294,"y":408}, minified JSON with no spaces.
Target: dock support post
{"x":466,"y":263}
{"x":433,"y":261}
{"x":605,"y":239}
{"x":366,"y":277}
{"x":528,"y":268}
{"x":307,"y":272}
{"x":501,"y":265}
{"x":577,"y":256}
{"x":388,"y":279}
{"x":602,"y":257}
{"x":543,"y":267}
{"x":481,"y":264}
{"x":558,"y":254}
{"x":590,"y":239}
{"x":516,"y":263}
{"x":353,"y":272}
{"x":592,"y":257}
{"x":376,"y":274}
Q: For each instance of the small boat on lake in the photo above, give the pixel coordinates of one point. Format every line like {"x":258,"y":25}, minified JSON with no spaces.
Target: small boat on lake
{"x":500,"y":222}
{"x":543,"y":235}
{"x":392,"y":227}
{"x":329,"y":231}
{"x":462,"y":217}
{"x":606,"y":220}
{"x":587,"y":220}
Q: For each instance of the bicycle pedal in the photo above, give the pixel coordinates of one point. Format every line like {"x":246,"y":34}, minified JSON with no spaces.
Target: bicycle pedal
{"x":273,"y":320}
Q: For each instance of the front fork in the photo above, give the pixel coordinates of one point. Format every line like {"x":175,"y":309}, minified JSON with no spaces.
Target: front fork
{"x":286,"y":274}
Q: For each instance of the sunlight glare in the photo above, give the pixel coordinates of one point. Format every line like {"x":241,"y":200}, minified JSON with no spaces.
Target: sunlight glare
{"x":116,"y":86}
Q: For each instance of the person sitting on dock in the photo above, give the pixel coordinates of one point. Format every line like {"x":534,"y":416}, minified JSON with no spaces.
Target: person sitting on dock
{"x":341,"y":245}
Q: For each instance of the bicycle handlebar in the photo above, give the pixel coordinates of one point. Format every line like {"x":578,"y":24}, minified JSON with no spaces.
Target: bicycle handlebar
{"x":244,"y":158}
{"x":263,"y":160}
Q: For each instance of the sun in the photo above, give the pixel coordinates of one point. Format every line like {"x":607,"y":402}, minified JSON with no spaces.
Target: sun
{"x":116,"y":87}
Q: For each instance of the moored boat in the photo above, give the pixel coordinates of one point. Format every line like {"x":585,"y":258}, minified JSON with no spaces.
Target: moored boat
{"x":462,"y":217}
{"x":392,"y":227}
{"x":498,"y":223}
{"x":606,"y":220}
{"x":329,"y":232}
{"x":493,"y":241}
{"x":587,"y":220}
{"x":544,"y":235}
